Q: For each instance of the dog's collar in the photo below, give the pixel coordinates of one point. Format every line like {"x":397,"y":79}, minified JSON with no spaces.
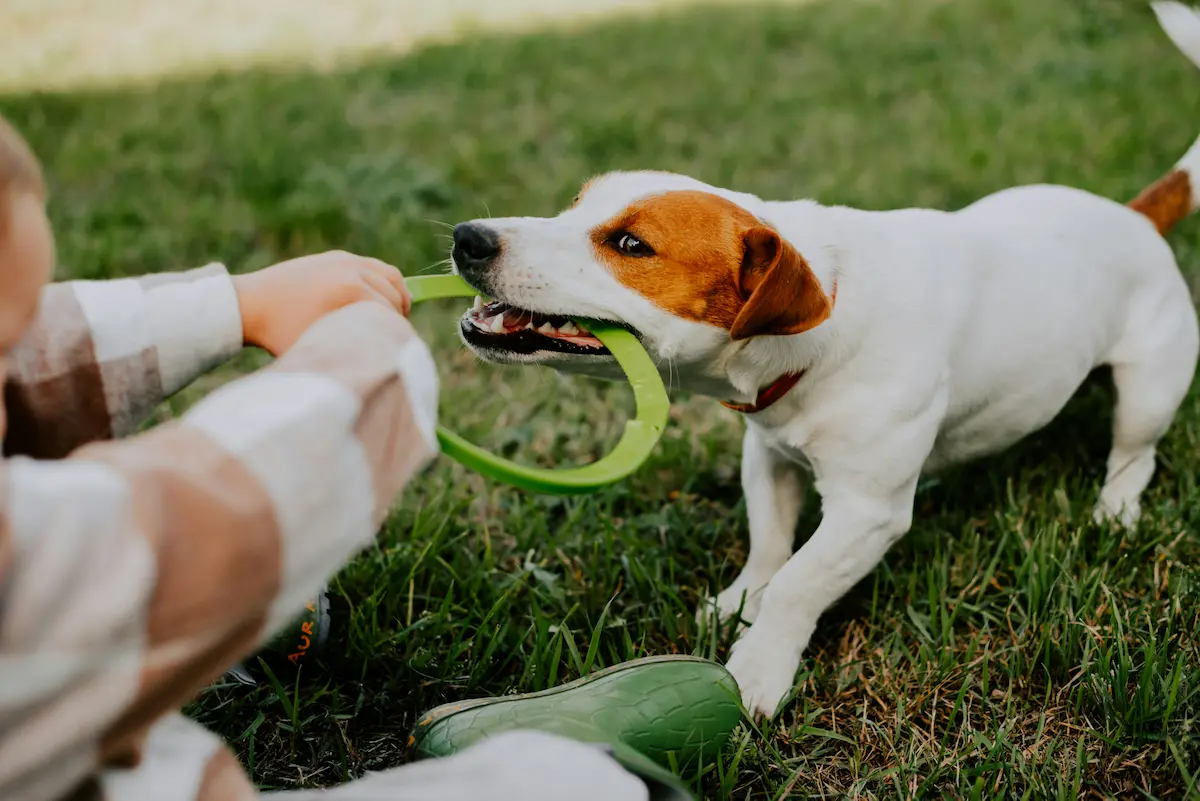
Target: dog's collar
{"x":768,"y":394}
{"x":782,"y":385}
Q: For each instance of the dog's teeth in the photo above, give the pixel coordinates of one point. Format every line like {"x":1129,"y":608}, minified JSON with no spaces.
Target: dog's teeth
{"x":498,"y":323}
{"x":569,"y":329}
{"x":478,"y":304}
{"x":528,"y":326}
{"x":545,"y":328}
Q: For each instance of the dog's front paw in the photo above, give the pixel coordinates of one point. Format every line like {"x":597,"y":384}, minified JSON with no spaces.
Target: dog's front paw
{"x":764,"y":666}
{"x":1125,"y":512}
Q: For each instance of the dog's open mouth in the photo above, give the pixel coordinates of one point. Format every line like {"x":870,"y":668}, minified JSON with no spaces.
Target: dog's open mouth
{"x":500,"y":326}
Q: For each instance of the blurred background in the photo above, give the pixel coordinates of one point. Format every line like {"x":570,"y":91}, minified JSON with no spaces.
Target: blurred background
{"x":1005,"y":648}
{"x":69,"y":43}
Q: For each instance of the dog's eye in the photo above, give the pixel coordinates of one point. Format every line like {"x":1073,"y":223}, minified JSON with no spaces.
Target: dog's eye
{"x":631,"y":245}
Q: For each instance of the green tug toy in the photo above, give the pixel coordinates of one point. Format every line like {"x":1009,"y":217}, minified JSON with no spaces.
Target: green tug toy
{"x":638,"y":441}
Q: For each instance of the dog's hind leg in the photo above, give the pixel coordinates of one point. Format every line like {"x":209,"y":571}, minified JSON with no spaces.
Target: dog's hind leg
{"x":1152,"y":368}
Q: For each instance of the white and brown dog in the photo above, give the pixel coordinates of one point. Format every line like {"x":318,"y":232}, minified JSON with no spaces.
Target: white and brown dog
{"x":865,"y":348}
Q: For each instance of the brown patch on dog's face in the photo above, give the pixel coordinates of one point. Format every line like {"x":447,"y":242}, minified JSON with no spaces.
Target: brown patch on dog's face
{"x":1165,"y":202}
{"x":706,"y":259}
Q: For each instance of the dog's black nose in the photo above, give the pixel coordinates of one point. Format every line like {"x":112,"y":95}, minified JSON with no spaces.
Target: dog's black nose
{"x":475,"y":246}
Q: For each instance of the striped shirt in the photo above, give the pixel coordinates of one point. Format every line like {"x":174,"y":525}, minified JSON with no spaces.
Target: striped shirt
{"x":135,"y":571}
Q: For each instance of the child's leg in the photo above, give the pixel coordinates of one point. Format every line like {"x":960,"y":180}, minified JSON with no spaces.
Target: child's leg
{"x":184,"y":762}
{"x":516,"y":766}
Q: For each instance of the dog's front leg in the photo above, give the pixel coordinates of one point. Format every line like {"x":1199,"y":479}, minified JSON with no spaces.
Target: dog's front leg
{"x":774,"y":492}
{"x":867,"y":485}
{"x":853,"y":536}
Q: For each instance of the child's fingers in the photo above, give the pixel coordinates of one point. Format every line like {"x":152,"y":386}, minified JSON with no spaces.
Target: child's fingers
{"x":395,"y":279}
{"x":385,"y":289}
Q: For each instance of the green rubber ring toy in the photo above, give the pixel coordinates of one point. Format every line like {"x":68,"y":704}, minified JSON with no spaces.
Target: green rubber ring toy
{"x":638,"y":440}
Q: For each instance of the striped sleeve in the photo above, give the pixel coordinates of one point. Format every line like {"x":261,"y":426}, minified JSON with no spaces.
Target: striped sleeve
{"x":101,"y":355}
{"x":134,"y":572}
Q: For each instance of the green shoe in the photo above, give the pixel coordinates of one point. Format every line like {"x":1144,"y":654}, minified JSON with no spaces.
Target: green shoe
{"x":645,"y":712}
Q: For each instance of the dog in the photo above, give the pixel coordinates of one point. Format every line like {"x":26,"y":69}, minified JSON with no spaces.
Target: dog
{"x":863,"y":348}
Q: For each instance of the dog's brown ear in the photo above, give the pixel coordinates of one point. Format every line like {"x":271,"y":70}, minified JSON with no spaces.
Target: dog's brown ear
{"x":781,"y":294}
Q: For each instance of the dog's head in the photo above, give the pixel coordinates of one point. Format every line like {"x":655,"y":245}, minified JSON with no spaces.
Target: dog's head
{"x":689,"y":268}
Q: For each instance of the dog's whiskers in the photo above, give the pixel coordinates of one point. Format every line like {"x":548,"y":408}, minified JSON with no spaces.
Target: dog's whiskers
{"x":671,"y":370}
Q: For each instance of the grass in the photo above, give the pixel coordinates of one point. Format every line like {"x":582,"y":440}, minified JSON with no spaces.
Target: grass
{"x":1006,"y":648}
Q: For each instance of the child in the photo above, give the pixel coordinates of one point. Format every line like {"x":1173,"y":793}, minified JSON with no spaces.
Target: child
{"x":133,"y":572}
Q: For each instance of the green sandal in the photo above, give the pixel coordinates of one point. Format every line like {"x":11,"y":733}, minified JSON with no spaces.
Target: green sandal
{"x":645,"y":712}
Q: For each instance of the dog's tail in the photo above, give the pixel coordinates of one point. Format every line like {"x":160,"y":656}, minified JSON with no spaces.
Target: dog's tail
{"x":1176,"y":194}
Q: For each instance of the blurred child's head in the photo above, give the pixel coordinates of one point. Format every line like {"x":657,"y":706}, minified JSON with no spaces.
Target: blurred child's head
{"x":26,"y":243}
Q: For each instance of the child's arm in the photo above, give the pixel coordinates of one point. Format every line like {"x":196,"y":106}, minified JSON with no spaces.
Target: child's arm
{"x":135,"y":571}
{"x":102,"y":354}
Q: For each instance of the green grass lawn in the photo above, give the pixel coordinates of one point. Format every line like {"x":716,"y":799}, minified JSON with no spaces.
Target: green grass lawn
{"x":1007,"y":647}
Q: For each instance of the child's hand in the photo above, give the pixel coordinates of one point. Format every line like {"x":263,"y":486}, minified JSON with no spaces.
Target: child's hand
{"x":279,"y":303}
